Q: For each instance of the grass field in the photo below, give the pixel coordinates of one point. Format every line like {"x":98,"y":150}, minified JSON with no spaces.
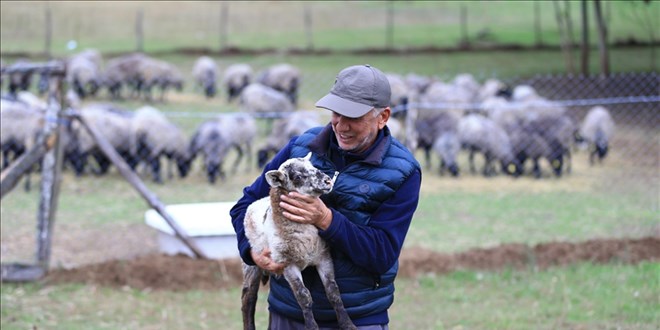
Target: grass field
{"x":101,"y":218}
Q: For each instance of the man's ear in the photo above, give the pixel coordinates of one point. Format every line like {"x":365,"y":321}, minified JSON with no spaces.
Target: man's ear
{"x":383,"y":117}
{"x":275,"y":178}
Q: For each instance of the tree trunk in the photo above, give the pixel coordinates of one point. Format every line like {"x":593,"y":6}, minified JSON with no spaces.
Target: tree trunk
{"x":585,"y":39}
{"x":565,"y":42}
{"x":602,"y":40}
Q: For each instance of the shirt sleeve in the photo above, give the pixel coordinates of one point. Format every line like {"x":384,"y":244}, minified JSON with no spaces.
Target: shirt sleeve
{"x":377,"y":245}
{"x":256,"y":191}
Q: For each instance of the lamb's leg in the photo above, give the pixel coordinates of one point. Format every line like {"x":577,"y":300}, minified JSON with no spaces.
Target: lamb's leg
{"x":304,"y":298}
{"x":326,"y":271}
{"x":251,"y":277}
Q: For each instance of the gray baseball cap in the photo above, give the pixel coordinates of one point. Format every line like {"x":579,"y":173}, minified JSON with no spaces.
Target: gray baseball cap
{"x":357,"y":90}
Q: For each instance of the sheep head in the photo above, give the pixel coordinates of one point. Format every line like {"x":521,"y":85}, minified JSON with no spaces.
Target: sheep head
{"x":298,"y":174}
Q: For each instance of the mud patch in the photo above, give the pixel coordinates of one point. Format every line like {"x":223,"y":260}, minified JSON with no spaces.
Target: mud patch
{"x":180,"y":273}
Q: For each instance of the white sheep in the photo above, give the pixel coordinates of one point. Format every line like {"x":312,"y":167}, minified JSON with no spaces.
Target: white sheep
{"x":481,"y":134}
{"x":205,"y":73}
{"x":283,"y":77}
{"x":153,"y":135}
{"x":284,"y":129}
{"x":235,"y":78}
{"x":596,"y":130}
{"x":257,"y":98}
{"x":296,"y":245}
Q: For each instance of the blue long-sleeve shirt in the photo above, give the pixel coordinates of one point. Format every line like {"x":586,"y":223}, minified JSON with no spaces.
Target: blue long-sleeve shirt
{"x":375,"y":247}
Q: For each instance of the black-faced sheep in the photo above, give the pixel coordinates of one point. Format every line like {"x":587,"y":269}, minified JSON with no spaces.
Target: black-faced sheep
{"x":438,"y":131}
{"x":205,"y":73}
{"x":157,"y":73}
{"x":283,"y":77}
{"x":112,"y":123}
{"x":596,"y":130}
{"x":400,"y":94}
{"x":259,"y":99}
{"x":153,"y":135}
{"x":121,"y":71}
{"x":296,"y":245}
{"x":215,"y":137}
{"x":284,"y":129}
{"x":480,"y":134}
{"x":235,"y":78}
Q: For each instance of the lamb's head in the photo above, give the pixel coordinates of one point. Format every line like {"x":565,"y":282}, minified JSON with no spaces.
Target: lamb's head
{"x":298,"y":174}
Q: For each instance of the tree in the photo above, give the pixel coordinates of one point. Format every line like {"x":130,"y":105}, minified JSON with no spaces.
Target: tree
{"x":602,"y":40}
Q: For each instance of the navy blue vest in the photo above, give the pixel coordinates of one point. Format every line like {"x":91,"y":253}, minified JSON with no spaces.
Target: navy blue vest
{"x":359,"y":190}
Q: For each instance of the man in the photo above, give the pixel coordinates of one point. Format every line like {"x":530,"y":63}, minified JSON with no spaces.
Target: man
{"x":364,"y":219}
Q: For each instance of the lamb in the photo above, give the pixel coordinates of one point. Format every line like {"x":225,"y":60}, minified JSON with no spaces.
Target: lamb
{"x":205,"y":73}
{"x":153,"y":135}
{"x":283,"y":130}
{"x":596,"y":130}
{"x":293,"y":244}
{"x":235,"y":78}
{"x":258,"y":98}
{"x":478,"y":133}
{"x":214,"y":138}
{"x":284,"y":78}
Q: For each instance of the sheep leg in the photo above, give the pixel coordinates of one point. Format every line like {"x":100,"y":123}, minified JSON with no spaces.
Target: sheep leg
{"x":537,"y":169}
{"x":251,"y":276}
{"x":473,"y":169}
{"x":238,"y":158}
{"x":304,"y":298}
{"x":155,"y":169}
{"x":326,"y":272}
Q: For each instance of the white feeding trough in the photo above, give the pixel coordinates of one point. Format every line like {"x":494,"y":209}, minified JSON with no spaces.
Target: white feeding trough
{"x":207,"y":225}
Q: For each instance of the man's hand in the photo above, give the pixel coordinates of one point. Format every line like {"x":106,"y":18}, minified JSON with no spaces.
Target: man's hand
{"x":306,"y":209}
{"x":264,"y":261}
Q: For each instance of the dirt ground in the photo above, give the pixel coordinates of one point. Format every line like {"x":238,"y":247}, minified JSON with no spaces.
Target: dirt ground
{"x":163,"y":272}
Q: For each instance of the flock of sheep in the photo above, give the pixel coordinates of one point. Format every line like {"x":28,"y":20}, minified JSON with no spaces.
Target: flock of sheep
{"x":508,"y":126}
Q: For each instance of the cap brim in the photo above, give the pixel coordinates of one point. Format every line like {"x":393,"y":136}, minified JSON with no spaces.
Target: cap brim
{"x":342,"y":106}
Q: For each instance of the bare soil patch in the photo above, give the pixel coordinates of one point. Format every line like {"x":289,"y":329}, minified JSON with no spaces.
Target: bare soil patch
{"x":179,"y":273}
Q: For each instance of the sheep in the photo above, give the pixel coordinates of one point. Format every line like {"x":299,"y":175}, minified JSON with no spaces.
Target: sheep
{"x":112,"y":123}
{"x":19,"y":81}
{"x":20,"y":126}
{"x":153,"y":135}
{"x":83,"y":76}
{"x":293,"y":244}
{"x":283,"y":130}
{"x":596,"y":130}
{"x":557,"y":130}
{"x":257,"y":98}
{"x":400,"y":94}
{"x":282,"y":77}
{"x":235,"y":78}
{"x":438,"y":131}
{"x":153,"y":72}
{"x":479,"y":133}
{"x":215,"y":137}
{"x":122,"y":70}
{"x":205,"y":73}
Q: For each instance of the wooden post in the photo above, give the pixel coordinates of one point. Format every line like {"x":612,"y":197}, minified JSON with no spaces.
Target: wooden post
{"x":51,"y":177}
{"x":48,"y":32}
{"x":12,"y":174}
{"x":139,"y":30}
{"x":224,"y":14}
{"x":465,"y":40}
{"x":135,"y":181}
{"x":308,"y":27}
{"x":389,"y":37}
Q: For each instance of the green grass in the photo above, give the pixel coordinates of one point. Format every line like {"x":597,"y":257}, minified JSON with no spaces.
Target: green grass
{"x":583,"y":296}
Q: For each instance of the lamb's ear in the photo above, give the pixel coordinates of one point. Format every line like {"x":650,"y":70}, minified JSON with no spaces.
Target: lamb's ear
{"x":309,"y":156}
{"x":275,"y":178}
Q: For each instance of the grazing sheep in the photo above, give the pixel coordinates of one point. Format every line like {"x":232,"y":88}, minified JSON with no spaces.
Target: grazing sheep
{"x":258,"y":98}
{"x":596,"y":130}
{"x":400,"y":94}
{"x":112,"y":123}
{"x":215,"y":137}
{"x":296,"y":245}
{"x":205,"y":73}
{"x":558,"y":131}
{"x":284,"y":78}
{"x":157,"y":73}
{"x":122,"y":71}
{"x":447,"y":146}
{"x":438,"y":131}
{"x":152,"y":136}
{"x":480,"y":134}
{"x":19,"y":81}
{"x":235,"y":78}
{"x":83,"y":76}
{"x":284,"y":129}
{"x":20,"y":125}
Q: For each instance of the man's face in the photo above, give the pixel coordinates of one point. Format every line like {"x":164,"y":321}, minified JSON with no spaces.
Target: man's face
{"x":358,"y":134}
